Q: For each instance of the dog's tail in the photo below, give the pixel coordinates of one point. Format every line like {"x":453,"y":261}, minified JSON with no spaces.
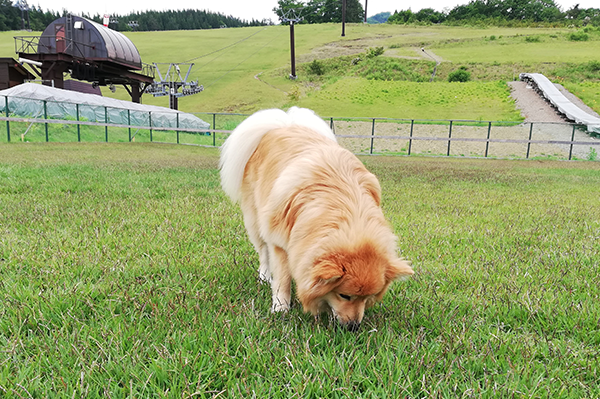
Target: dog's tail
{"x":244,"y":140}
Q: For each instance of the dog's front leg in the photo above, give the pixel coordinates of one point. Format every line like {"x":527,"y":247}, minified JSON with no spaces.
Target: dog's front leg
{"x":281,"y":282}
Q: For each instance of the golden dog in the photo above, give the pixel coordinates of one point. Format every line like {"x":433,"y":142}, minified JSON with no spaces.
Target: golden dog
{"x":312,"y":211}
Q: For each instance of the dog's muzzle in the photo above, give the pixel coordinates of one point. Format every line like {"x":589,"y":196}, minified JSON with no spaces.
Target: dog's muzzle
{"x":352,"y":326}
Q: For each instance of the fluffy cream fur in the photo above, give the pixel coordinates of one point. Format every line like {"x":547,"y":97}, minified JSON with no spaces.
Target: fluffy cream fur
{"x":312,"y":211}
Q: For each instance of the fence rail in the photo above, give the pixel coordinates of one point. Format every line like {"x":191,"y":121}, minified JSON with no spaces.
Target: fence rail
{"x":360,"y":135}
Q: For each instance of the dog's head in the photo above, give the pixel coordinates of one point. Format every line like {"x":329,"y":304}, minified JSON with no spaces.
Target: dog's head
{"x":347,"y":282}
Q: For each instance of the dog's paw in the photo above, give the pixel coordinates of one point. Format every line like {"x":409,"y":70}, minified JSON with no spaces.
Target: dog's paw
{"x":265,"y":278}
{"x":264,"y":274}
{"x":280,"y":307}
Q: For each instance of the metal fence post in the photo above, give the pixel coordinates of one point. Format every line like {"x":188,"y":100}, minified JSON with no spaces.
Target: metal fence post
{"x":214,"y":126}
{"x":129,"y":123}
{"x":571,"y":146}
{"x":78,"y":125}
{"x":412,"y":124}
{"x":449,"y":137}
{"x":177,"y":114}
{"x":487,"y":143}
{"x":150,"y":123}
{"x":46,"y":117}
{"x":372,"y":136}
{"x":8,"y":116}
{"x":529,"y":143}
{"x":106,"y":121}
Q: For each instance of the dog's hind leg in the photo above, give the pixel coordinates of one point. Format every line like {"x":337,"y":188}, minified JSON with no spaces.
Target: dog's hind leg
{"x":281,"y":284}
{"x":264,"y":271}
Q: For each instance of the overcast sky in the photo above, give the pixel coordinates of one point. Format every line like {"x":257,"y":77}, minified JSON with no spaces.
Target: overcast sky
{"x":249,"y":9}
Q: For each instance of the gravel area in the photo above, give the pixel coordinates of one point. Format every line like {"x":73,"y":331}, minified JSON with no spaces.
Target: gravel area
{"x":532,"y":106}
{"x":535,"y":109}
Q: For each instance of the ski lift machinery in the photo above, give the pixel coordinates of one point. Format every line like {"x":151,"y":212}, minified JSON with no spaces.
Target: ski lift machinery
{"x":172,"y":83}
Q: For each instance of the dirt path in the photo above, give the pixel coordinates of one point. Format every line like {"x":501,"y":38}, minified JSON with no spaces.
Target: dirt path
{"x":532,"y":106}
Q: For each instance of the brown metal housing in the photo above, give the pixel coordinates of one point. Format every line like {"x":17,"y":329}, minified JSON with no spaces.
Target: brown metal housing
{"x":87,"y":51}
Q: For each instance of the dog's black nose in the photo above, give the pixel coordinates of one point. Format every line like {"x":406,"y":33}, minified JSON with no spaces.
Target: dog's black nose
{"x":352,"y":326}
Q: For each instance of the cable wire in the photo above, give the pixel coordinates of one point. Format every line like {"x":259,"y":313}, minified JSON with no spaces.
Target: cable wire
{"x":244,"y":60}
{"x":226,"y":47}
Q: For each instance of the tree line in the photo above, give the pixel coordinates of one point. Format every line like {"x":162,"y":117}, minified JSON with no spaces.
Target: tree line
{"x":319,"y":11}
{"x":491,"y":12}
{"x":177,"y":20}
{"x":13,"y":18}
{"x":501,"y":12}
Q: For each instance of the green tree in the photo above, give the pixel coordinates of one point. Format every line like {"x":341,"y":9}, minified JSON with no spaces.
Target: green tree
{"x":333,"y":11}
{"x":10,"y":16}
{"x":430,"y":15}
{"x":402,"y":17}
{"x":519,"y":10}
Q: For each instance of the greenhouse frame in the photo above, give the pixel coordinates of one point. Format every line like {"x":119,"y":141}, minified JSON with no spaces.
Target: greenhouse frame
{"x":32,"y":100}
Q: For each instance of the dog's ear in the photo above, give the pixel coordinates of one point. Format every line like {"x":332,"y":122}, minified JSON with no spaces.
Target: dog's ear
{"x":327,"y":271}
{"x":398,"y":269}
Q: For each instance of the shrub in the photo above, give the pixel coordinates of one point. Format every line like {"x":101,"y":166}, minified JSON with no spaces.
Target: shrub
{"x":316,"y":67}
{"x":578,"y":37}
{"x":460,"y":75}
{"x":593,"y":66}
{"x":295,"y":93}
{"x":532,"y":39}
{"x":493,"y":37}
{"x":374,"y":52}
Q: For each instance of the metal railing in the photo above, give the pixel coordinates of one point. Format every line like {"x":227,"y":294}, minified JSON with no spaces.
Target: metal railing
{"x":465,"y":138}
{"x":31,"y":44}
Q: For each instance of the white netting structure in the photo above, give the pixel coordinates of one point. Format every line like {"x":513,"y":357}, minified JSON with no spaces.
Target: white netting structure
{"x":37,"y":101}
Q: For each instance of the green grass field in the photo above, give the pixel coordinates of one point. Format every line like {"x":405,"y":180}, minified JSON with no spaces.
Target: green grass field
{"x":443,"y":100}
{"x":252,"y":74}
{"x":126,"y":272}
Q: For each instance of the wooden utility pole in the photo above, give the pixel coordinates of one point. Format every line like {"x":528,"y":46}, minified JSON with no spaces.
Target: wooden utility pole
{"x":343,"y":18}
{"x":366,"y":11}
{"x":292,"y":18}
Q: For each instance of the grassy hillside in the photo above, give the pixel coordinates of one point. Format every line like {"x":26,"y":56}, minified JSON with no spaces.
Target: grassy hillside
{"x":125,"y":272}
{"x":252,"y":74}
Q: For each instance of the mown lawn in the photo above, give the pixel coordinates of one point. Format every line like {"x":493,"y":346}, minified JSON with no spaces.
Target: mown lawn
{"x":126,"y":272}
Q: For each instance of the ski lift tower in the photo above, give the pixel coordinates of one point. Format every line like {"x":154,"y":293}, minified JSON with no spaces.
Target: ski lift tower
{"x":24,"y":7}
{"x":292,"y":16}
{"x":172,"y":82}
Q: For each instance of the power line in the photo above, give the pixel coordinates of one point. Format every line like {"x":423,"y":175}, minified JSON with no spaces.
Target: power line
{"x":223,"y":48}
{"x":244,"y":60}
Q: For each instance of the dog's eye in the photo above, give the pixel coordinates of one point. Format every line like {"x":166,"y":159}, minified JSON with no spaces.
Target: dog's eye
{"x":346,"y":297}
